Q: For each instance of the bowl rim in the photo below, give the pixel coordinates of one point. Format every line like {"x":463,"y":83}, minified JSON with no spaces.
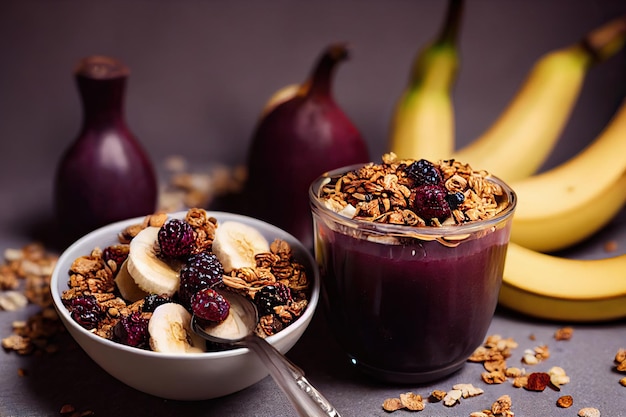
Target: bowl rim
{"x":68,"y":256}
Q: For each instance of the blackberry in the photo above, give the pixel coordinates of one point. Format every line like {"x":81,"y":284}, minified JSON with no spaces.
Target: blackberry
{"x":176,"y":239}
{"x":424,"y":172}
{"x":271,"y":296}
{"x":202,"y":270}
{"x":132,"y":330}
{"x":430,"y":202}
{"x":85,"y":310}
{"x":116,"y":253}
{"x":210,"y":305}
{"x":455,"y":199}
{"x":152,"y":301}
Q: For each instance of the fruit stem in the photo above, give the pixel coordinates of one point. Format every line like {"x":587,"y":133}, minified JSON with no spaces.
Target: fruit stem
{"x":319,"y":83}
{"x":452,"y":24}
{"x":605,"y":41}
{"x":436,"y":64}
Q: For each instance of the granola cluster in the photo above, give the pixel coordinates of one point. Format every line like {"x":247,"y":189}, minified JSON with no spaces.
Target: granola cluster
{"x":387,"y":193}
{"x":25,"y":279}
{"x":93,"y":275}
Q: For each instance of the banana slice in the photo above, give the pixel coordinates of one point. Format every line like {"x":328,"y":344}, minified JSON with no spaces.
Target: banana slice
{"x":149,"y":272}
{"x":127,"y":286}
{"x":170,"y":330}
{"x":235,"y":245}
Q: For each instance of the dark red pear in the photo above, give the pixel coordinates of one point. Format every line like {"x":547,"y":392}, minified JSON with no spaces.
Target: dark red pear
{"x":105,"y":175}
{"x":294,"y":143}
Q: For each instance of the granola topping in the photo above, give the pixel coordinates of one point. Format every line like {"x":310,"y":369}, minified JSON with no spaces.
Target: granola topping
{"x":386,"y":193}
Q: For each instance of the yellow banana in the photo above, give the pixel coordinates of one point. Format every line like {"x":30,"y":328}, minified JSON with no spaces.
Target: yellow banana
{"x":423,"y":119}
{"x":566,"y":204}
{"x":555,"y":288}
{"x":522,"y":137}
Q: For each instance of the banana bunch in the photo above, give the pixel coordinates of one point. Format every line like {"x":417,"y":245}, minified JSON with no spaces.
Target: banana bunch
{"x":532,"y":123}
{"x":559,"y":207}
{"x":423,"y":121}
{"x":566,"y":204}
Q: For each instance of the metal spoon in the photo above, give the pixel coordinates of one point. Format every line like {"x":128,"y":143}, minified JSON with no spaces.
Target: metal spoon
{"x":238,"y":331}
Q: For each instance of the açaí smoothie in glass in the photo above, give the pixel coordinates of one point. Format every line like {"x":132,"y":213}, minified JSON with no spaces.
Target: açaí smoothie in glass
{"x":411,"y":255}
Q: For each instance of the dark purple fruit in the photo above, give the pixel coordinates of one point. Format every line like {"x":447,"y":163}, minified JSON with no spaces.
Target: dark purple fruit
{"x":116,"y":253}
{"x":210,"y":305}
{"x":200,"y":271}
{"x":85,"y":310}
{"x":176,"y":239}
{"x":455,"y":199}
{"x":297,"y":141}
{"x":271,"y":296}
{"x":423,"y":172}
{"x":152,"y":301}
{"x":105,"y":175}
{"x":430,"y":202}
{"x":132,"y":330}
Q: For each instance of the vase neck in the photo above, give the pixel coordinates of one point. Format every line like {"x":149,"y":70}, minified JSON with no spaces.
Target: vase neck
{"x":102,"y":101}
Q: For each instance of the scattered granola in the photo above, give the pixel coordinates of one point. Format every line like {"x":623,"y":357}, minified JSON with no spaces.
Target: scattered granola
{"x":565,"y":401}
{"x":536,"y":355}
{"x":452,"y":397}
{"x":407,"y":400}
{"x":188,"y":187}
{"x":558,"y":377}
{"x":620,"y":360}
{"x":588,"y":412}
{"x":436,"y":396}
{"x":564,"y":333}
{"x":68,"y":410}
{"x":389,"y":193}
{"x":502,"y":406}
{"x":611,"y":246}
{"x":25,"y":277}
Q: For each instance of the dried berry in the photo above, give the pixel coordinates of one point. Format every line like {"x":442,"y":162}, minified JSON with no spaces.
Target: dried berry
{"x":116,"y":253}
{"x":430,"y":202}
{"x":424,"y":173}
{"x":537,"y":381}
{"x":132,"y":330}
{"x":176,"y":239}
{"x":86,"y":311}
{"x":202,"y":270}
{"x":210,"y":305}
{"x":152,"y":301}
{"x":455,"y":199}
{"x":272,"y":296}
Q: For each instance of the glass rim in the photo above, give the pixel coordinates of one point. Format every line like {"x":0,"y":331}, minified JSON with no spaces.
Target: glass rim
{"x":401,"y":230}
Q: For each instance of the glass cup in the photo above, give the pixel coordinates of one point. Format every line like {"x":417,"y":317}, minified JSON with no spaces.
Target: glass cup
{"x":409,"y":304}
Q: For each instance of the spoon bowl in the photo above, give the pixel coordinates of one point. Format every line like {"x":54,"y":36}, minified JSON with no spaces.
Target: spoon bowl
{"x":238,"y":330}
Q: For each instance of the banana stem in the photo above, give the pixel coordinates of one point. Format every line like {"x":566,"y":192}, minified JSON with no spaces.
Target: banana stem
{"x":605,"y":41}
{"x":426,"y":71}
{"x":452,"y":26}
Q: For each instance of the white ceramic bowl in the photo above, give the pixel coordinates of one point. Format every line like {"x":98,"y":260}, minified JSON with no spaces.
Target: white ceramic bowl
{"x":175,"y":376}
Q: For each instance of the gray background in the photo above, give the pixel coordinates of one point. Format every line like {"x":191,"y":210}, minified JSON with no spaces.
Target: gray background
{"x":201,"y":71}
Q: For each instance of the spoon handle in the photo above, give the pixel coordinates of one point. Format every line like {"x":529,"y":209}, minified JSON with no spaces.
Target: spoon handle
{"x":305,"y":398}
